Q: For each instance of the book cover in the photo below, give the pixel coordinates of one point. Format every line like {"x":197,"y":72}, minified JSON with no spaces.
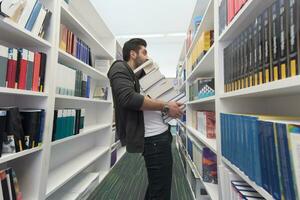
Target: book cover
{"x":275,"y":42}
{"x":22,"y":69}
{"x":33,"y":16}
{"x":209,"y":166}
{"x":3,"y":65}
{"x":42,"y":72}
{"x":29,"y":5}
{"x":30,"y":68}
{"x":11,"y":68}
{"x":283,"y":71}
{"x":36,"y":71}
{"x":260,"y":51}
{"x":266,"y":45}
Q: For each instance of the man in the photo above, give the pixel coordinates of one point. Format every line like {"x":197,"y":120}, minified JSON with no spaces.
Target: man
{"x":139,"y":122}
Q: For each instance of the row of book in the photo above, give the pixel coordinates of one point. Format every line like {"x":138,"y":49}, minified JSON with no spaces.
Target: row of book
{"x":77,"y":84}
{"x":202,"y":88}
{"x":9,"y":185}
{"x":192,"y":31}
{"x":67,"y":122}
{"x":267,"y":50}
{"x":22,"y":69}
{"x":205,"y":123}
{"x":228,"y":9}
{"x":234,"y":187}
{"x":202,"y":45}
{"x":73,"y":45}
{"x":205,"y":160}
{"x":266,"y":149}
{"x":20,"y":129}
{"x":29,"y":14}
{"x":180,"y":75}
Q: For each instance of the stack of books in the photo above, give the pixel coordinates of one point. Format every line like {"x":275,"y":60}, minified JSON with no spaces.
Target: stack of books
{"x":266,"y":149}
{"x":22,"y":69}
{"x":156,"y":86}
{"x":20,"y":129}
{"x":29,"y":14}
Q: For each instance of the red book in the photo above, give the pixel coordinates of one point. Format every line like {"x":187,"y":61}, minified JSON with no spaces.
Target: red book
{"x":230,"y":10}
{"x":36,"y":71}
{"x":237,"y":6}
{"x":11,"y":68}
{"x":22,"y":66}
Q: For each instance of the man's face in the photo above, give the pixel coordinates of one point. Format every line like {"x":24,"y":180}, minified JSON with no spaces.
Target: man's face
{"x":140,"y":57}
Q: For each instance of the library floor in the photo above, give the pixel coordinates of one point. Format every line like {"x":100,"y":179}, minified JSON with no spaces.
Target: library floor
{"x":128,"y":180}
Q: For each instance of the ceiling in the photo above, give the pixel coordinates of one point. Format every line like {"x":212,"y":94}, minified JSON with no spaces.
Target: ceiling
{"x":147,"y":19}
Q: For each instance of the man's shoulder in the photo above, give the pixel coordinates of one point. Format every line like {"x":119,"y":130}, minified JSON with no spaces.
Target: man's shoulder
{"x":118,"y":66}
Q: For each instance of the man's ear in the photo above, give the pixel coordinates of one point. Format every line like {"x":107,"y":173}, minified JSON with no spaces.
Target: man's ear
{"x":132,"y":54}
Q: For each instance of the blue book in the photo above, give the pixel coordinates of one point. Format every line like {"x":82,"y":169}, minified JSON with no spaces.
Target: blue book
{"x":88,"y":87}
{"x":33,"y":16}
{"x":42,"y":128}
{"x":285,"y":162}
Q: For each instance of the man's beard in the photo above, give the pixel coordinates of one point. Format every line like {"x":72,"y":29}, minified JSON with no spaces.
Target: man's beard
{"x":139,"y":62}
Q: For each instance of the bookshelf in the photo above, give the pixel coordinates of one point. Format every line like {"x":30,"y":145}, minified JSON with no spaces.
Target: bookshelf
{"x":66,"y":167}
{"x":273,"y":98}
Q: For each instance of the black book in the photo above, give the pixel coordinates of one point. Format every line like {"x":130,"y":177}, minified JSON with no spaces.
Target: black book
{"x":77,"y":121}
{"x":236,"y":64}
{"x":241,"y":57}
{"x":45,"y":25}
{"x":42,"y":72}
{"x":275,"y":44}
{"x":225,"y":60}
{"x":31,"y":122}
{"x":250,"y":57}
{"x":266,"y":46}
{"x":254,"y":70}
{"x":14,"y":134}
{"x":9,"y":172}
{"x":231,"y":67}
{"x":4,"y":185}
{"x":84,"y":85}
{"x":54,"y":125}
{"x":3,"y":114}
{"x":260,"y":50}
{"x":294,"y":37}
{"x":245,"y":60}
{"x":283,"y":72}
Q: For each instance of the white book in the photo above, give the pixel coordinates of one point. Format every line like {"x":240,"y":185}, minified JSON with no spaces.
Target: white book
{"x":147,"y":66}
{"x":168,"y":95}
{"x":10,"y":7}
{"x":9,"y":186}
{"x":160,"y":88}
{"x":26,"y":12}
{"x":39,"y":21}
{"x":150,"y":79}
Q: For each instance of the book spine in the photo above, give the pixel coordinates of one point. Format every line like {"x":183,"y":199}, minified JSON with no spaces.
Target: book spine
{"x":3,"y":65}
{"x":36,"y":71}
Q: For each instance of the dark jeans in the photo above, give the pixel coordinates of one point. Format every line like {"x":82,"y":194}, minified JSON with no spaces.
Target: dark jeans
{"x":159,"y":162}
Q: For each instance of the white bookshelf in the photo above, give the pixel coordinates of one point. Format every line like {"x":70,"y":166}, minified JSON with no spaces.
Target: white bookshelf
{"x":43,"y":172}
{"x":273,"y":98}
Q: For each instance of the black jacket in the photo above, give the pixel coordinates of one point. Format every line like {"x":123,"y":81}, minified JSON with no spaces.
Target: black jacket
{"x":127,"y":103}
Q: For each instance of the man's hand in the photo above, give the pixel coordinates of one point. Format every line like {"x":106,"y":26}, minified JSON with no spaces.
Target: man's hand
{"x":174,"y":109}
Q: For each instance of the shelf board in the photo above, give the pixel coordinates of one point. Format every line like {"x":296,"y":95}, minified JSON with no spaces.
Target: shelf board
{"x":80,"y":99}
{"x":204,"y":100}
{"x":207,"y":23}
{"x":6,"y":157}
{"x":64,"y":173}
{"x":102,"y":175}
{"x":11,"y":91}
{"x":68,"y":19}
{"x":244,"y":17}
{"x":181,"y":123}
{"x":259,"y":189}
{"x":210,"y":143}
{"x":288,"y":86}
{"x":76,"y":187}
{"x":13,"y":33}
{"x":86,"y":131}
{"x":70,"y":61}
{"x":205,"y":67}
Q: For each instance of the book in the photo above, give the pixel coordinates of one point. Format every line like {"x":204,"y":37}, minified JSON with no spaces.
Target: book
{"x":275,"y":42}
{"x":266,"y":46}
{"x":33,"y":16}
{"x":26,"y":13}
{"x":160,"y":88}
{"x":45,"y":25}
{"x":209,"y":161}
{"x":21,"y":69}
{"x":11,"y":68}
{"x":206,"y":123}
{"x":3,"y":65}
{"x":36,"y":71}
{"x":283,"y":70}
{"x":39,"y":21}
{"x":146,"y":67}
{"x":4,"y":185}
{"x":42,"y":75}
{"x":11,"y":9}
{"x":3,"y":115}
{"x":30,"y":68}
{"x":150,"y":79}
{"x":31,"y":122}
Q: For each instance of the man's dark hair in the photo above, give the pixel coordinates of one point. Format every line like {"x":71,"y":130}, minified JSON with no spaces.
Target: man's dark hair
{"x":133,"y":44}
